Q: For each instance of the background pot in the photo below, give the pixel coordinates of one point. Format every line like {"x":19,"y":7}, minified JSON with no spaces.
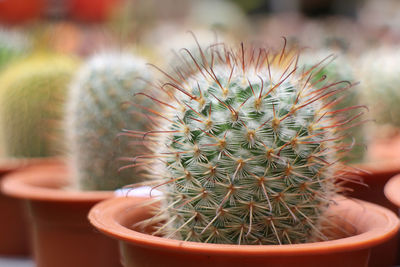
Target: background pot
{"x":13,"y":226}
{"x":18,"y":11}
{"x":371,"y":224}
{"x":14,"y":235}
{"x":392,"y":191}
{"x":86,"y":10}
{"x":61,"y":233}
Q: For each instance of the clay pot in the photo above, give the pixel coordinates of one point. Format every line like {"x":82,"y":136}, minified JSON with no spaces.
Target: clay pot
{"x":13,"y":226}
{"x":19,"y":11}
{"x":87,"y":10}
{"x":14,"y":235}
{"x":376,"y":174}
{"x":369,"y":224}
{"x":392,"y":191}
{"x":61,"y":233}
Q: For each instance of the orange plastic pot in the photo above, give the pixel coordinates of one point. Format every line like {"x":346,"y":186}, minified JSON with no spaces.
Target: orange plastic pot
{"x":61,"y":233}
{"x":13,"y":226}
{"x":382,"y":163}
{"x":19,"y":11}
{"x":92,"y":11}
{"x":392,"y":191}
{"x":14,"y":237}
{"x":370,"y":224}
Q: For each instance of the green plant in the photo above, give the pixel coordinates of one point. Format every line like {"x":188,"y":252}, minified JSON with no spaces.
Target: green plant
{"x":97,"y":113}
{"x":247,"y":150}
{"x":31,"y":94}
{"x":333,"y":68}
{"x":12,"y":45}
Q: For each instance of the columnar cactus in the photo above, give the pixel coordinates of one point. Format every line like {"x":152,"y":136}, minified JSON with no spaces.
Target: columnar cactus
{"x":247,"y":151}
{"x":31,"y":95}
{"x":97,"y":112}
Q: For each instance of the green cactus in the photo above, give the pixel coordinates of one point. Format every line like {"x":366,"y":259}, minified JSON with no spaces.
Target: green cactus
{"x":246,"y":152}
{"x":31,"y":94}
{"x":333,"y":68}
{"x":96,"y":114}
{"x":12,"y":45}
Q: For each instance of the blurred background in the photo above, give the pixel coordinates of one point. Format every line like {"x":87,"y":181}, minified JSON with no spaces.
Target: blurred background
{"x":362,"y":35}
{"x":83,"y":27}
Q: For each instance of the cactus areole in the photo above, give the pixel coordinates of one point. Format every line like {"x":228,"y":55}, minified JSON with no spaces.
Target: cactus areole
{"x":247,"y":149}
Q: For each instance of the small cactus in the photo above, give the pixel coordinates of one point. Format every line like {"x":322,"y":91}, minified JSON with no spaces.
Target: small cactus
{"x":97,"y":112}
{"x":12,"y":45}
{"x":339,"y":68}
{"x":247,"y":150}
{"x":31,"y":94}
{"x":380,"y":75}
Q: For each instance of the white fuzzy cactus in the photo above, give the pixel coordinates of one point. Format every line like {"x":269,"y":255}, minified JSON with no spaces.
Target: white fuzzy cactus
{"x":97,"y":112}
{"x":246,"y":150}
{"x":380,"y":76}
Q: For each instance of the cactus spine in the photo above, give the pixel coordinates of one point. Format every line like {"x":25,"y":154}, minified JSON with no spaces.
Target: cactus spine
{"x":96,"y":114}
{"x":335,"y":69}
{"x":246,"y":151}
{"x":31,"y":94}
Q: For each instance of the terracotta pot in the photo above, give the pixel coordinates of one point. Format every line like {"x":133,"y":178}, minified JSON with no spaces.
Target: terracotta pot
{"x":61,"y":233}
{"x":370,"y":223}
{"x":392,"y":191}
{"x":376,"y":175}
{"x":14,"y":239}
{"x":88,"y":10}
{"x":19,"y":11}
{"x":13,"y":226}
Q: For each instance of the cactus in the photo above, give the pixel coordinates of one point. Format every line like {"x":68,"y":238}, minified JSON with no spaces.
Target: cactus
{"x":169,"y":40}
{"x":97,"y":112}
{"x":12,"y":45}
{"x":380,"y":76}
{"x":31,"y":94}
{"x":333,"y":69}
{"x":247,"y":151}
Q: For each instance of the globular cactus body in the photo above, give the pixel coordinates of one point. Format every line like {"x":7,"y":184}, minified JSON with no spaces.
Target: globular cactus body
{"x":31,"y":96}
{"x":97,"y":112}
{"x":245,"y":151}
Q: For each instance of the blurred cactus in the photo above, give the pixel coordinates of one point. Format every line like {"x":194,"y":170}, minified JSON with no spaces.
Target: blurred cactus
{"x":380,"y":77}
{"x":12,"y":45}
{"x":31,"y":94}
{"x":174,"y":57}
{"x":97,"y":113}
{"x":332,"y":68}
{"x":245,"y":149}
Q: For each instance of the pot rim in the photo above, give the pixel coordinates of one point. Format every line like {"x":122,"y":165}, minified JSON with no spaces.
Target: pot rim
{"x":103,"y":217}
{"x":30,"y":183}
{"x":392,"y":190}
{"x":11,"y":164}
{"x":378,"y":167}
